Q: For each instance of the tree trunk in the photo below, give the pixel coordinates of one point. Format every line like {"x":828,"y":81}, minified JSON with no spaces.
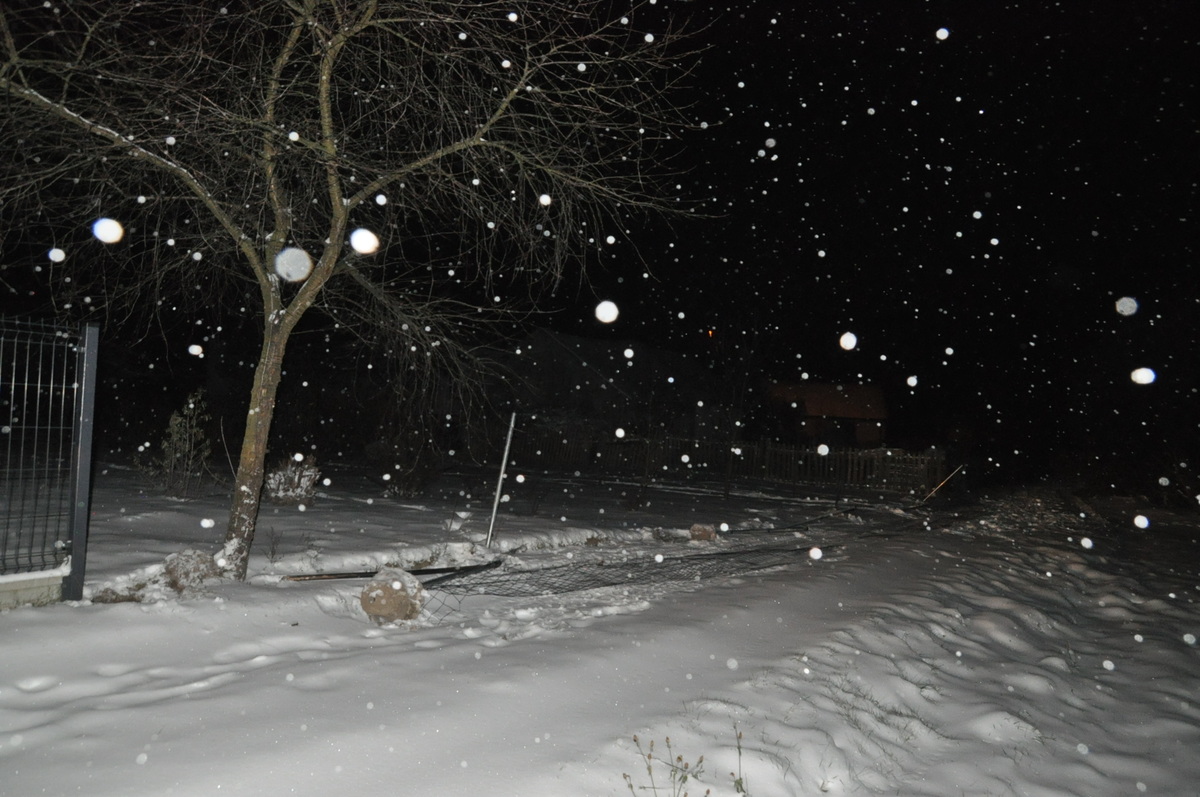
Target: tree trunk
{"x":247,"y":489}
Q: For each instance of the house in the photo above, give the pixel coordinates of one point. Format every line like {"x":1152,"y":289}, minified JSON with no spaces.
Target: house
{"x":840,"y":415}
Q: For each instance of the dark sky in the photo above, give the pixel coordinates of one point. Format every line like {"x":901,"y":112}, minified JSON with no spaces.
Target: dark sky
{"x":972,"y":207}
{"x":993,"y":192}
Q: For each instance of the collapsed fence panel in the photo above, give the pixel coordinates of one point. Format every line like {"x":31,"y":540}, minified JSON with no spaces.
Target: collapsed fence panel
{"x":47,"y":390}
{"x":593,"y":575}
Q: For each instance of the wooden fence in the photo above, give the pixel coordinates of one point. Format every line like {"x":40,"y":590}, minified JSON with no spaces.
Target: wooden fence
{"x":880,"y":468}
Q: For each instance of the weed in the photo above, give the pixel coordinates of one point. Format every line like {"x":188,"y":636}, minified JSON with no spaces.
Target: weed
{"x":739,"y":779}
{"x":312,"y":550}
{"x":274,"y":538}
{"x":679,"y":772}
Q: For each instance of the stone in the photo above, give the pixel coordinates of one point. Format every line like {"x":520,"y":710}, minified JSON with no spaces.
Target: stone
{"x":188,"y":570}
{"x":392,"y":596}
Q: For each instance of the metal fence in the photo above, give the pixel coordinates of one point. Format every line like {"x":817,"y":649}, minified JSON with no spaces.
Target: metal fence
{"x":881,"y":468}
{"x":47,"y":391}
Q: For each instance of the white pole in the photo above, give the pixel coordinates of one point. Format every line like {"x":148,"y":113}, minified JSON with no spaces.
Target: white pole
{"x":500,"y":482}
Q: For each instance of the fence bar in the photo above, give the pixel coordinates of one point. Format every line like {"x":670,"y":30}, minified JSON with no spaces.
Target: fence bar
{"x":47,"y":398}
{"x":81,"y":460}
{"x":500,"y":482}
{"x":34,"y":435}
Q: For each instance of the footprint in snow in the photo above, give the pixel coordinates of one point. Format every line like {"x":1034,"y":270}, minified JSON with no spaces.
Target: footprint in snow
{"x":38,"y":683}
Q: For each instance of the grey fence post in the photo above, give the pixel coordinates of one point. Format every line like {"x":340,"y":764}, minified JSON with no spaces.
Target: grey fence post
{"x":500,"y":482}
{"x":81,"y":456}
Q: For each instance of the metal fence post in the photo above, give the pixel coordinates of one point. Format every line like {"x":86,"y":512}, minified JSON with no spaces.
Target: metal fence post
{"x":500,"y":482}
{"x":81,"y":455}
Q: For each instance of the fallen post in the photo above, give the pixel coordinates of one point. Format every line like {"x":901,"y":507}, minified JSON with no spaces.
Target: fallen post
{"x":424,"y":571}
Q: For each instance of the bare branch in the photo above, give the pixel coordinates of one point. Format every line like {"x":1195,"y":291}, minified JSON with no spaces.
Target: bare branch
{"x":134,"y":149}
{"x":490,"y":147}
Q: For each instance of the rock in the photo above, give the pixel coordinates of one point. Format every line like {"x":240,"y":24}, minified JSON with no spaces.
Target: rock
{"x":188,"y":570}
{"x":393,"y":595}
{"x":670,"y":535}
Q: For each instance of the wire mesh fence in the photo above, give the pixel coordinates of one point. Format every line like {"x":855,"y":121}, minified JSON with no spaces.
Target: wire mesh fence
{"x":46,"y":389}
{"x":881,"y":468}
{"x":521,"y":583}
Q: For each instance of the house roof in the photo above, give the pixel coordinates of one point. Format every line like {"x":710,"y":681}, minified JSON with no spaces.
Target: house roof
{"x":864,"y":402}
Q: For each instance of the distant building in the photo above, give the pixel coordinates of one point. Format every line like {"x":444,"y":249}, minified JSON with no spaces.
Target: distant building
{"x":807,"y":413}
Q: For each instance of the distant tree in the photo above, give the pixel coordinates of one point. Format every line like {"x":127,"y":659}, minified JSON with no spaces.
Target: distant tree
{"x":255,"y":153}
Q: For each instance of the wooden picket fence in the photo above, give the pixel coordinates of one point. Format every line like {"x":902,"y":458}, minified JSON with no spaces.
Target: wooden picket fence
{"x":881,"y":468}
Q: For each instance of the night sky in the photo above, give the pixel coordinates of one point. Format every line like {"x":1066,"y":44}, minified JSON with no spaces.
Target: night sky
{"x":968,"y":187}
{"x":991,"y":190}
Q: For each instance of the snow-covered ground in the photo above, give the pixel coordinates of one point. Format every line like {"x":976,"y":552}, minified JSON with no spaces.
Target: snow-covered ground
{"x":1019,"y":646}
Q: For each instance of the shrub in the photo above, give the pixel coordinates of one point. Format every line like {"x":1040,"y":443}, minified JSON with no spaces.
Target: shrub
{"x":294,"y":481}
{"x":185,"y":448}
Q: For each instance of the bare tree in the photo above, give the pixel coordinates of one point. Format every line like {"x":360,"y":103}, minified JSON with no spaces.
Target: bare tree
{"x":489,"y":148}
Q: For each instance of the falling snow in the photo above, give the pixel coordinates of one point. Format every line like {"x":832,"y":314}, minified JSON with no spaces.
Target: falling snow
{"x":364,"y":241}
{"x":108,"y":230}
{"x":293,"y":264}
{"x":1127,"y":305}
{"x":607,"y":312}
{"x":838,"y":170}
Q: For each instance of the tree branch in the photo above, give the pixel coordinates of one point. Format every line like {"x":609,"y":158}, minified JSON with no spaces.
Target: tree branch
{"x":132,"y":148}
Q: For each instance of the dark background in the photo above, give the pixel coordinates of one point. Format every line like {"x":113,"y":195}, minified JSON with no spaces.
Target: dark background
{"x":1070,"y":128}
{"x":840,"y":155}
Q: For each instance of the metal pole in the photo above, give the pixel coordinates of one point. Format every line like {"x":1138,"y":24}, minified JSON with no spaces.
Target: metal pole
{"x":81,"y":471}
{"x":500,"y":482}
